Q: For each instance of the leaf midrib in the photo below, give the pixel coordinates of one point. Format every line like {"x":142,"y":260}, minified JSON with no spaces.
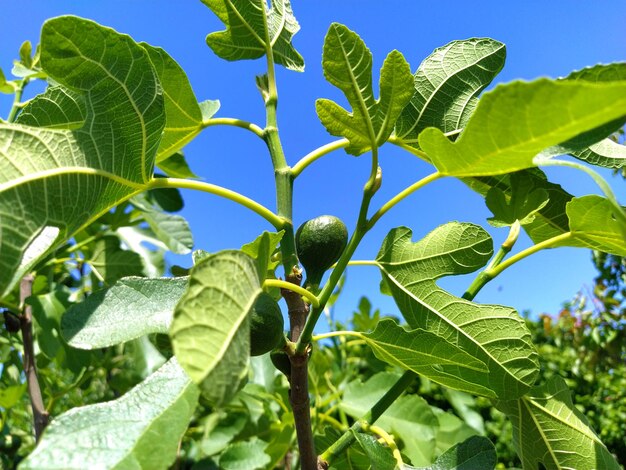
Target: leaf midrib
{"x":357,"y":90}
{"x":449,"y":322}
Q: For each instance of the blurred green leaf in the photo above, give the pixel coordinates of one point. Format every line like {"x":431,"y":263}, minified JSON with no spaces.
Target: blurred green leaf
{"x":409,"y":418}
{"x":110,"y":262}
{"x":248,"y":455}
{"x":477,"y":452}
{"x":141,"y":429}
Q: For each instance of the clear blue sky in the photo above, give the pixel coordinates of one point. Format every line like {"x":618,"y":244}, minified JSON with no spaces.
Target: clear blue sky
{"x":543,"y":38}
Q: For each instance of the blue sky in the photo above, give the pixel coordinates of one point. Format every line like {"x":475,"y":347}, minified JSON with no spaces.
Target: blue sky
{"x":542,"y":38}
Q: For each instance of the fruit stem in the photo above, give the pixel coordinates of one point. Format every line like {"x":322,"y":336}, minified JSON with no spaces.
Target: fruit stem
{"x":294,"y":288}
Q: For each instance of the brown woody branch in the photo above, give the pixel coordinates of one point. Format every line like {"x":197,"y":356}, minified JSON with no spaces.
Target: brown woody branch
{"x":40,"y":415}
{"x":299,"y":378}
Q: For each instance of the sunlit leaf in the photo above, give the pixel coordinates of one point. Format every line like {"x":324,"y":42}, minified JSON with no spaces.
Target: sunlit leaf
{"x":141,"y":429}
{"x":494,"y":335}
{"x":417,"y":349}
{"x":90,"y":169}
{"x":252,"y":28}
{"x":132,"y":308}
{"x":261,"y":249}
{"x":549,"y":221}
{"x":447,"y":84}
{"x":549,"y":430}
{"x":183,"y":117}
{"x":347,"y":64}
{"x":594,"y":226}
{"x":606,"y":153}
{"x":56,"y":108}
{"x":515,"y":122}
{"x":592,"y":147}
{"x":210,"y":332}
{"x":176,"y":166}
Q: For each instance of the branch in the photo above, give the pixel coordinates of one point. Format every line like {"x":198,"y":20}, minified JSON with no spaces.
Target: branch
{"x":40,"y":415}
{"x":236,"y":123}
{"x":254,"y":206}
{"x":316,"y":154}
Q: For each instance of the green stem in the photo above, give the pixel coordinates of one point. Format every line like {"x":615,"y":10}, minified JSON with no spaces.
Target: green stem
{"x":333,"y":334}
{"x":316,"y":154}
{"x":549,"y":243}
{"x":283,"y":176}
{"x":254,"y":206}
{"x":294,"y":288}
{"x":82,"y":243}
{"x":234,"y":122}
{"x":412,"y":150}
{"x":341,"y":444}
{"x":17,"y":98}
{"x":505,"y":248}
{"x":402,"y":195}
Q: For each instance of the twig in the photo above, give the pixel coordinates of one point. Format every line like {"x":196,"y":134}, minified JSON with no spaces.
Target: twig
{"x":299,"y":378}
{"x":40,"y":415}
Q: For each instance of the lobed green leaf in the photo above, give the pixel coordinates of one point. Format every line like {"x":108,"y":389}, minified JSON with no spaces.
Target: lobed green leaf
{"x":416,"y":349}
{"x":492,"y":334}
{"x":549,"y":430}
{"x":347,"y":64}
{"x":91,"y":169}
{"x":183,"y":116}
{"x":522,"y":204}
